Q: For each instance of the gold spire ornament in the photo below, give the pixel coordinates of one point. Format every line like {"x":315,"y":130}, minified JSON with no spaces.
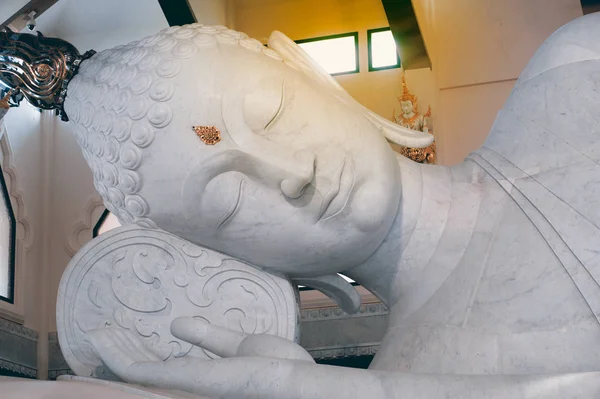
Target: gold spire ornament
{"x":407,"y":95}
{"x":209,"y":135}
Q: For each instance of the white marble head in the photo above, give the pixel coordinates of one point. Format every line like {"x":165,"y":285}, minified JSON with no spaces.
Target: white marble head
{"x":303,"y":180}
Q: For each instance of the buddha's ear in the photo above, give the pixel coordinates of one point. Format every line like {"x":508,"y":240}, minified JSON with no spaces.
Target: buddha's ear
{"x":336,"y":288}
{"x":298,"y":58}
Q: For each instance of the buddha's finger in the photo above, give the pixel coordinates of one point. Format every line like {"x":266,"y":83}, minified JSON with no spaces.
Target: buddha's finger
{"x":218,"y":340}
{"x":263,"y":345}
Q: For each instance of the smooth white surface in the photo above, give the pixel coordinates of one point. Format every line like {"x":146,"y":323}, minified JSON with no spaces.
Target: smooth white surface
{"x":9,"y":7}
{"x":70,"y":387}
{"x":89,"y":24}
{"x":489,"y":267}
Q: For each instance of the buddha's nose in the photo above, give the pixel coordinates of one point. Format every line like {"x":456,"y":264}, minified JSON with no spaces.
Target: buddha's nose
{"x":300,"y":175}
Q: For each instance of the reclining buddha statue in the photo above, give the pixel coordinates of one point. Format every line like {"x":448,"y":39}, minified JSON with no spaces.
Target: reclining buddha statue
{"x":490,"y":268}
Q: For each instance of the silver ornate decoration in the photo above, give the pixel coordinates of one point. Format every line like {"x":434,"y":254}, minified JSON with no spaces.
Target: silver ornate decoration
{"x":38,"y":68}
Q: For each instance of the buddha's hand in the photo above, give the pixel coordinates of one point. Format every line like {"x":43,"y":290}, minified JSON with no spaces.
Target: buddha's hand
{"x":229,"y":343}
{"x":119,"y":350}
{"x":246,"y":359}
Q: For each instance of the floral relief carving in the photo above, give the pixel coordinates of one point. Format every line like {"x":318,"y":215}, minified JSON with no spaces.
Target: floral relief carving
{"x":140,"y":280}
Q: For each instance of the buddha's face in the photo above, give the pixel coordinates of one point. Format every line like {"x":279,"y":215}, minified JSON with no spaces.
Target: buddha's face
{"x":407,"y":107}
{"x":300,"y":182}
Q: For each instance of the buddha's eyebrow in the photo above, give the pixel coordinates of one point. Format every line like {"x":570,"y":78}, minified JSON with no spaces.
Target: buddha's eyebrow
{"x":280,"y":106}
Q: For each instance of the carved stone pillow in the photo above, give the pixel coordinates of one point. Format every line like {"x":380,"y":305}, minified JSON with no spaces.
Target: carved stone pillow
{"x":141,"y":279}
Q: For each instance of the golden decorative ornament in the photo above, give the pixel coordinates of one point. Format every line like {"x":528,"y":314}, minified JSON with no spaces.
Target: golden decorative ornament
{"x":428,"y":113}
{"x":42,"y":71}
{"x":408,"y":121}
{"x":420,"y":155}
{"x":209,"y":135}
{"x":4,"y":101}
{"x":416,"y":122}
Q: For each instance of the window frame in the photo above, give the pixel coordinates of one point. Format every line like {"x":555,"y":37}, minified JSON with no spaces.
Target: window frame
{"x":338,"y":36}
{"x":370,"y":52}
{"x":12,"y":242}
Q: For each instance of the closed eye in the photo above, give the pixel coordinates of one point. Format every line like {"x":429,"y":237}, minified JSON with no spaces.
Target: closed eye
{"x":280,"y":106}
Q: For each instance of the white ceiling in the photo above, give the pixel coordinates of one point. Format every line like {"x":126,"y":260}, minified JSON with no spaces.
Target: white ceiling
{"x":102,"y":24}
{"x":9,"y":7}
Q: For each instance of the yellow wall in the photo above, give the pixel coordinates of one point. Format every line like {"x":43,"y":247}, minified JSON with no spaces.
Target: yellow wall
{"x":214,"y":12}
{"x":478,"y":49}
{"x":303,"y":19}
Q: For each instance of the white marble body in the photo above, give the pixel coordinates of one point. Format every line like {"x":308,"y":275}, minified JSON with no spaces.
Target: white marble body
{"x":489,"y":267}
{"x":72,"y":387}
{"x":500,"y":272}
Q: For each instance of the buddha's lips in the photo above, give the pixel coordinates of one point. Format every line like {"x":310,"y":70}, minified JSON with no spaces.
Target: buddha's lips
{"x":336,"y":198}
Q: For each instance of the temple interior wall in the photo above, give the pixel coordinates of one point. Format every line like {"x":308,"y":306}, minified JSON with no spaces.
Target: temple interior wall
{"x":478,"y":48}
{"x":21,"y":159}
{"x":304,"y":19}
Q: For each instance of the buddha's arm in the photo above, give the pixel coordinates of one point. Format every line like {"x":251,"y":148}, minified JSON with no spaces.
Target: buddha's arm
{"x":269,"y":367}
{"x":265,"y":378}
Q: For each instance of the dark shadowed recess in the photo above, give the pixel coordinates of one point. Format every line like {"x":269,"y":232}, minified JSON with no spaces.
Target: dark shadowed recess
{"x":590,"y":6}
{"x":407,"y":34}
{"x":10,"y":373}
{"x":357,"y":362}
{"x":177,"y":12}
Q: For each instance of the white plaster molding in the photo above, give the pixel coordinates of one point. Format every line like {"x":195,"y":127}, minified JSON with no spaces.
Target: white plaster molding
{"x":335,"y":313}
{"x":91,"y":212}
{"x":369,"y":349}
{"x":24,"y":235}
{"x":17,"y":368}
{"x":18,"y":330}
{"x":14,"y":190}
{"x":17,"y":351}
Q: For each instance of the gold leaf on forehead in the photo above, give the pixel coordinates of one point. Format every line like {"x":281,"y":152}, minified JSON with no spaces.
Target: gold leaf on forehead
{"x":209,"y":135}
